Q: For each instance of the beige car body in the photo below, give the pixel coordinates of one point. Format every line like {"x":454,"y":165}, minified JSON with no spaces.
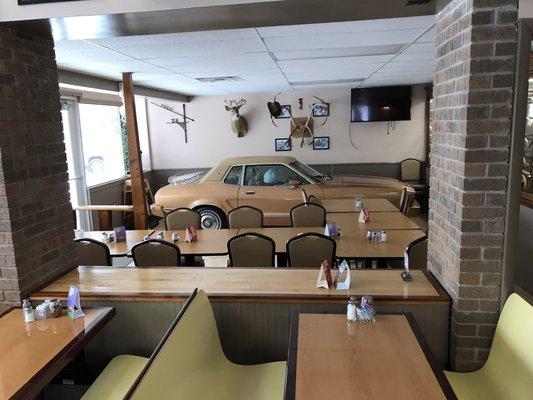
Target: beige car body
{"x":274,"y":201}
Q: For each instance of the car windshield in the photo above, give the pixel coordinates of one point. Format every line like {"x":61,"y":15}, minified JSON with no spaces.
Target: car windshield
{"x":311,"y":173}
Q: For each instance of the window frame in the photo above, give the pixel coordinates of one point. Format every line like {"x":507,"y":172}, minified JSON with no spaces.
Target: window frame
{"x":306,"y":181}
{"x":241,"y":176}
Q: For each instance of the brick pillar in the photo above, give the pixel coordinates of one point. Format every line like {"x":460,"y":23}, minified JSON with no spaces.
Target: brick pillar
{"x":473,"y":92}
{"x":36,"y":218}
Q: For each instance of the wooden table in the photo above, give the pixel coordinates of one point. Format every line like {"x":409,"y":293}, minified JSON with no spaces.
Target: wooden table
{"x":211,"y":242}
{"x":252,"y":306}
{"x":120,"y":249}
{"x":353,"y":243}
{"x":105,"y":216}
{"x":389,"y":359}
{"x":378,"y":221}
{"x":31,"y":355}
{"x":347,"y":205}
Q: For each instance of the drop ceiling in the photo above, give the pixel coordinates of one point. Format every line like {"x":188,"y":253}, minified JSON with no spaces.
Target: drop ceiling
{"x":280,"y":58}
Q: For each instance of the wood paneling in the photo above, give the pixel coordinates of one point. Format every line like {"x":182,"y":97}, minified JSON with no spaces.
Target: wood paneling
{"x":347,"y":205}
{"x":32,"y":354}
{"x":381,"y":360}
{"x":239,"y":283}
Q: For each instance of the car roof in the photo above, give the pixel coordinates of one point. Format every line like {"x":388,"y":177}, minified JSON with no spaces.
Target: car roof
{"x":218,"y":172}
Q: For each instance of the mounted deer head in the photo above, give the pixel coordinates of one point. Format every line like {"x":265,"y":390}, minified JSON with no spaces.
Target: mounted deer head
{"x":239,"y":125}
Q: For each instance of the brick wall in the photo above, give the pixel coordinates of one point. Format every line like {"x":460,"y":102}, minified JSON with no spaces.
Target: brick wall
{"x":36,"y":219}
{"x":474,"y":76}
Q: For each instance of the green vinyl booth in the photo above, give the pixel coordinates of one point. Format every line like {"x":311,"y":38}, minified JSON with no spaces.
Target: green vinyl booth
{"x":189,"y":363}
{"x":508,"y":372}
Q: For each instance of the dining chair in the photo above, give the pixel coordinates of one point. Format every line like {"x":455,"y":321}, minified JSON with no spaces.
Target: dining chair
{"x":309,"y":250}
{"x":245,"y":217}
{"x":182,"y":218}
{"x":407,"y":200}
{"x":416,"y":253}
{"x":508,"y":372}
{"x":156,"y":253}
{"x":308,"y":214}
{"x":251,"y":250}
{"x":92,"y":252}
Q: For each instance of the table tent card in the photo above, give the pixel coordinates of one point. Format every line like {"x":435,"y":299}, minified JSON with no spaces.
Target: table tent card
{"x":324,"y":276}
{"x":331,"y":229}
{"x":74,"y":303}
{"x":406,"y":275}
{"x":120,"y":234}
{"x":364,"y":215}
{"x":344,"y":270}
{"x":190,"y":234}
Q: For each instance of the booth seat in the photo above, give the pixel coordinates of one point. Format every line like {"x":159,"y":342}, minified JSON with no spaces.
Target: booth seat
{"x":508,"y":372}
{"x":189,"y":363}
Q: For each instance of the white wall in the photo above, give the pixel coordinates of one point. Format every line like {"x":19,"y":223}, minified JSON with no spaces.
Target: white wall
{"x":211,"y":138}
{"x":11,"y":11}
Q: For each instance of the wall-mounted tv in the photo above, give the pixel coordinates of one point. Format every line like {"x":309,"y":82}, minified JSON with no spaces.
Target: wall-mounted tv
{"x":391,"y":103}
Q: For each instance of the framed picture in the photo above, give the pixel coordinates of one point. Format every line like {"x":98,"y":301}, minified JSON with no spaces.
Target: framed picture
{"x":283,"y":144}
{"x":321,"y":110}
{"x":285,"y":112}
{"x":321,"y":143}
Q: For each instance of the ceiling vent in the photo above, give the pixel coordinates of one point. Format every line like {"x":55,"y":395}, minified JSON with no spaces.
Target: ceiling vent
{"x":213,"y":79}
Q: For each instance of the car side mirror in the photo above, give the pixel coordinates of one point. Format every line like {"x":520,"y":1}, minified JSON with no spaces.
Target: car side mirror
{"x":294,"y":184}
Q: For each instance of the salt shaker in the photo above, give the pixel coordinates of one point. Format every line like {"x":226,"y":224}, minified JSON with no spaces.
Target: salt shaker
{"x":383,"y":236}
{"x":105,"y":237}
{"x":351,"y":312}
{"x":27,"y":311}
{"x":161,"y":236}
{"x":175,"y":237}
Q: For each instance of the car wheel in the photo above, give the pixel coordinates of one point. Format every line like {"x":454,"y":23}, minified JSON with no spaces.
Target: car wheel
{"x":212,"y":218}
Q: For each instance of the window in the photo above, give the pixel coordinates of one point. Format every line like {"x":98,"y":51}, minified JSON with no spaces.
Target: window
{"x":271,"y":175}
{"x":311,"y":173}
{"x":102,"y":143}
{"x":234,"y":176}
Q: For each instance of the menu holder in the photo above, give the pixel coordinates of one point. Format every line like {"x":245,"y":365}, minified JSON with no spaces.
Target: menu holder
{"x":344,"y":267}
{"x":364,"y":215}
{"x":120,"y":234}
{"x":190,"y":234}
{"x":74,"y":304}
{"x":324,"y":276}
{"x":331,"y":229}
{"x":406,"y":276}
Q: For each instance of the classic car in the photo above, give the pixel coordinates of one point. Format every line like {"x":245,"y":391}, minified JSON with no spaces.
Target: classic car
{"x":272,"y":184}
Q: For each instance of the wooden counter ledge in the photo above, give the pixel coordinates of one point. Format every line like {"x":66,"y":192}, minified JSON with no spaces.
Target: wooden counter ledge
{"x":254,"y":284}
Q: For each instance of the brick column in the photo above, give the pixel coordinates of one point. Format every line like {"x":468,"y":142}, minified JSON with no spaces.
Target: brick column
{"x":473,"y":92}
{"x":36,"y":218}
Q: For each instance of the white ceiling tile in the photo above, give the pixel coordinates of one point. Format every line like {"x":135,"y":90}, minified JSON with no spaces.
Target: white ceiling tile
{"x":95,"y":54}
{"x":187,"y":60}
{"x":342,"y":40}
{"x":347,"y":27}
{"x":177,"y":38}
{"x":429,"y":56}
{"x":333,"y":62}
{"x":339,"y":52}
{"x":420,"y":48}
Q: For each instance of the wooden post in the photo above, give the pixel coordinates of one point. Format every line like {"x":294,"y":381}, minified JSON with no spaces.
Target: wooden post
{"x":136,"y":170}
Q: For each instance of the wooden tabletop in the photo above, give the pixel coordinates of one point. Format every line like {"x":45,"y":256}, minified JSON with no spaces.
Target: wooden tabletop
{"x":211,"y":242}
{"x":378,"y":221}
{"x":347,"y":205}
{"x":389,"y":359}
{"x":114,"y":207}
{"x":352,"y":244}
{"x":131,"y":284}
{"x":32,"y":354}
{"x":120,"y":249}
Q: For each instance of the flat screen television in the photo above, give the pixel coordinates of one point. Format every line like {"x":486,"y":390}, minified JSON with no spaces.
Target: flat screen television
{"x":391,"y":103}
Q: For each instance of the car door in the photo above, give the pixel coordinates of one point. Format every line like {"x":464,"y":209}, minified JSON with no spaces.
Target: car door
{"x":274,"y":189}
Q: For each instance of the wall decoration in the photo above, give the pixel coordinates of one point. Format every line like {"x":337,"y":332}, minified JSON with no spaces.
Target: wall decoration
{"x":301,"y":127}
{"x":321,"y":110}
{"x":182,"y":124}
{"x":283,"y":144}
{"x":285,"y":112}
{"x":321,"y":143}
{"x":239,"y":125}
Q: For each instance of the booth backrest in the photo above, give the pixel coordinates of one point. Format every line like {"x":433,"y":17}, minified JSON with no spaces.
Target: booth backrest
{"x":510,"y":362}
{"x":175,"y":369}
